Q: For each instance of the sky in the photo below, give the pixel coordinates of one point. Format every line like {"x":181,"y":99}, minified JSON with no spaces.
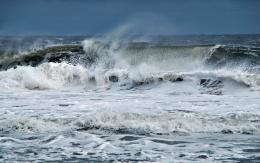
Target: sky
{"x":97,"y":17}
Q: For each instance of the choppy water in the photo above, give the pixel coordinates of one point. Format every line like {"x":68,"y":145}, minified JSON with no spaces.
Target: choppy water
{"x":186,"y":99}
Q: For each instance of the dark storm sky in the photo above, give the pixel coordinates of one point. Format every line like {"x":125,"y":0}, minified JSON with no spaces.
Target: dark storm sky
{"x":74,"y":17}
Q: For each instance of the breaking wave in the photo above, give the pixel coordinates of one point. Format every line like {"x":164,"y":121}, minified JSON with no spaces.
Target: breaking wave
{"x":45,"y":76}
{"x":131,"y":65}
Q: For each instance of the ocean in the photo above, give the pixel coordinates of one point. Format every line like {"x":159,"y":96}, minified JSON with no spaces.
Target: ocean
{"x":193,"y":98}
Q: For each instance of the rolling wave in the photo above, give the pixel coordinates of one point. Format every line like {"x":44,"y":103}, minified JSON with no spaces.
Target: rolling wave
{"x":131,"y":65}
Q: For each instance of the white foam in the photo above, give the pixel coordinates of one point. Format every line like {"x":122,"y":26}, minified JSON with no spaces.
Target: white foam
{"x":137,"y":123}
{"x":60,"y":75}
{"x":26,"y":124}
{"x":178,"y":122}
{"x":45,"y":76}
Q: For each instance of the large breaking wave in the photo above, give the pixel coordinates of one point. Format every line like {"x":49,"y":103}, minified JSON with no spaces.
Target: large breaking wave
{"x":106,"y":63}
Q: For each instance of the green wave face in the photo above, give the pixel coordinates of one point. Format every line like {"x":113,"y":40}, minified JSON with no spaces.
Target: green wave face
{"x":215,"y":56}
{"x":51,"y":54}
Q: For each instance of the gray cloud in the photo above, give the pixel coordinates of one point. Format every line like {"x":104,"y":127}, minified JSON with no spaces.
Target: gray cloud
{"x":69,"y":17}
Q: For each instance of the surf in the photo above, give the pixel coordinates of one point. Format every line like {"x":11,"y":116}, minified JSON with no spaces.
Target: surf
{"x":130,"y":63}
